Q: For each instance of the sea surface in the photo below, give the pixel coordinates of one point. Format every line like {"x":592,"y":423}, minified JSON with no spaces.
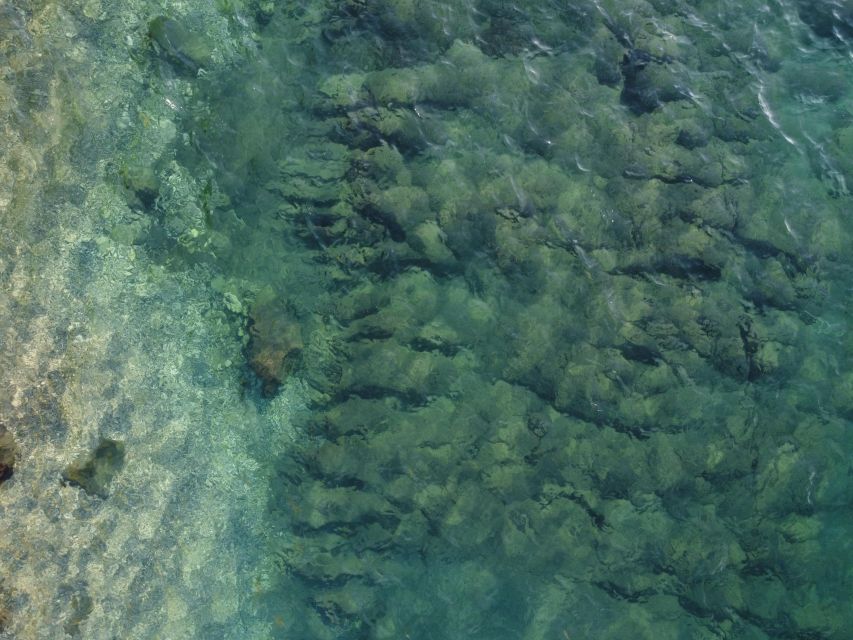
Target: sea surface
{"x":426,"y":320}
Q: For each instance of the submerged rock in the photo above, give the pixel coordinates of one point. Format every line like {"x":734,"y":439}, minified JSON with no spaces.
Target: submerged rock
{"x":94,"y":473}
{"x":648,"y":82}
{"x":179,"y":45}
{"x":275,"y":344}
{"x":8,"y":450}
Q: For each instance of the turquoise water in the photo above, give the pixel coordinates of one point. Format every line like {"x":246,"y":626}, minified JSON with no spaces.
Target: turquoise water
{"x":383,"y":319}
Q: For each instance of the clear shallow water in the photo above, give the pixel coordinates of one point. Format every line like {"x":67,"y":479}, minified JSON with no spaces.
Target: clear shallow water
{"x":446,"y":320}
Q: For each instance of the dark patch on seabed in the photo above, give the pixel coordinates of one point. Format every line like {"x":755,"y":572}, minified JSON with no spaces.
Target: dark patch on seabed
{"x":8,"y":451}
{"x":94,"y":473}
{"x":558,"y":277}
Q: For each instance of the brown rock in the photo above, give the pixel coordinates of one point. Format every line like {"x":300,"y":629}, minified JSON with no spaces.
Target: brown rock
{"x":275,"y":344}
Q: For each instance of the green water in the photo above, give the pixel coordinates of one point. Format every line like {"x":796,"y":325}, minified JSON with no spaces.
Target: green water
{"x":464,"y":319}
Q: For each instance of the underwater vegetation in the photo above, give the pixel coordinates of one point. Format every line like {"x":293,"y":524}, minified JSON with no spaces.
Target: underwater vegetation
{"x":550,"y":274}
{"x":381,"y":319}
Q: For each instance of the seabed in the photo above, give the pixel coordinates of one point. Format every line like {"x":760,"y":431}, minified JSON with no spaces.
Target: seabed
{"x":459,"y":319}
